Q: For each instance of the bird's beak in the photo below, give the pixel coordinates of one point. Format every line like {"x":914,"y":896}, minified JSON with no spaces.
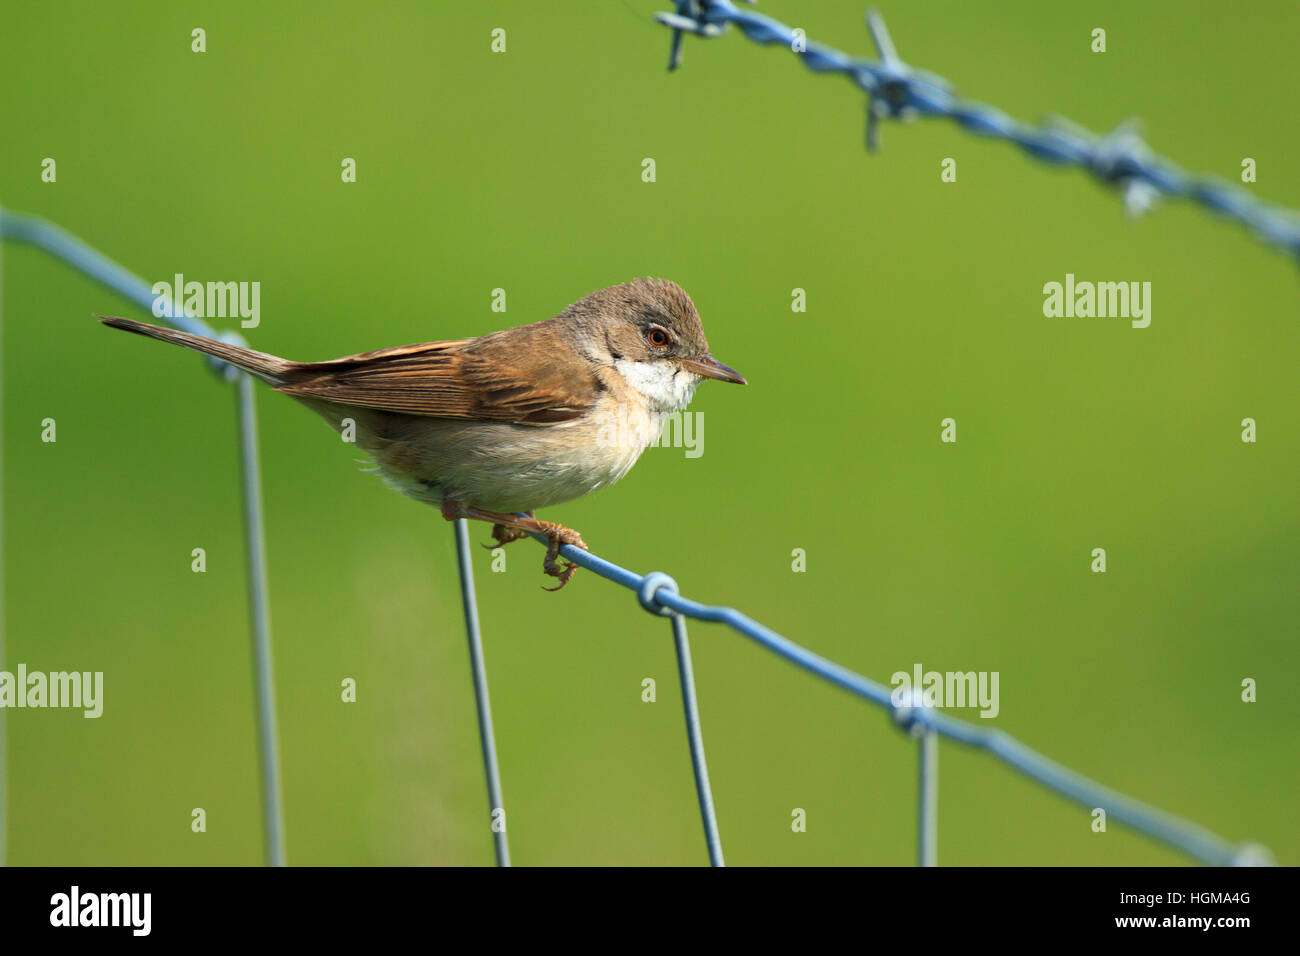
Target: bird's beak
{"x":710,"y":367}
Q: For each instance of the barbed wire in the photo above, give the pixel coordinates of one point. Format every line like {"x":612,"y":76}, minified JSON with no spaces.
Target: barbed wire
{"x":895,"y":90}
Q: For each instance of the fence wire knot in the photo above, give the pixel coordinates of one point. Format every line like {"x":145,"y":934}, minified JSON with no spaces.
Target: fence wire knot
{"x":648,"y":593}
{"x":911,"y":714}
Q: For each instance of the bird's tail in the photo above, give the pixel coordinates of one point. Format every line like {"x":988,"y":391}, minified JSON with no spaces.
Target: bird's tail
{"x":268,"y":368}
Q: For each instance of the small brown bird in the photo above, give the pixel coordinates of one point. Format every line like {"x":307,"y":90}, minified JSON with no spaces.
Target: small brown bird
{"x":511,"y":421}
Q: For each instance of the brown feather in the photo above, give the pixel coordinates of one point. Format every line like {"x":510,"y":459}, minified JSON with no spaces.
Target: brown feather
{"x":489,"y":378}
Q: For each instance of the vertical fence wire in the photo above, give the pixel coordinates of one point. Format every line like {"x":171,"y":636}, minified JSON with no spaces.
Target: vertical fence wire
{"x":69,"y":249}
{"x":695,"y":738}
{"x":647,"y":590}
{"x":4,"y":753}
{"x":259,"y":611}
{"x":927,"y":817}
{"x":487,"y":738}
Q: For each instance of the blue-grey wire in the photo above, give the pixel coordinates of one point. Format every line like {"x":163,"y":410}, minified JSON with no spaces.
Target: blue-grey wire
{"x":71,"y":250}
{"x":899,"y":91}
{"x":695,"y":739}
{"x":1194,"y":840}
{"x":927,"y":816}
{"x":259,"y":615}
{"x":4,"y":757}
{"x":487,"y":738}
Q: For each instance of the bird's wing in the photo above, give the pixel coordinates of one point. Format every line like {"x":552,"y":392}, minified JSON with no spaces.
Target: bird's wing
{"x":467,"y":379}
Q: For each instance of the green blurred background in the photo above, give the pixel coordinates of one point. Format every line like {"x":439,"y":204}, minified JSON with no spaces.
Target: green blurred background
{"x":523,"y":171}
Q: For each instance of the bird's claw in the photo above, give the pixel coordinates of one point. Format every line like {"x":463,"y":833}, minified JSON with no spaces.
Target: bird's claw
{"x":554,"y":565}
{"x":501,"y":535}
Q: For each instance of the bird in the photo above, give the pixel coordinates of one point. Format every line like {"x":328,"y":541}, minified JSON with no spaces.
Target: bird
{"x":495,"y":427}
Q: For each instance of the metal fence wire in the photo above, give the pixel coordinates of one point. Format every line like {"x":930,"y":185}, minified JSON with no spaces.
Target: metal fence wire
{"x":895,"y":90}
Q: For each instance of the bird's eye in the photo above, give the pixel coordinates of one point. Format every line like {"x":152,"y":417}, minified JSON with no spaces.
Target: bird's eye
{"x":657,"y":337}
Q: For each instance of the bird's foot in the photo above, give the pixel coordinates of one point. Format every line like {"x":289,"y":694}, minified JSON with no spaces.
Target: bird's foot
{"x":554,"y":565}
{"x":503,"y":535}
{"x":507,"y":528}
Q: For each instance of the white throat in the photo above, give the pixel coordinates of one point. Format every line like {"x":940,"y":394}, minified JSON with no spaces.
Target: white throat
{"x":666,"y":387}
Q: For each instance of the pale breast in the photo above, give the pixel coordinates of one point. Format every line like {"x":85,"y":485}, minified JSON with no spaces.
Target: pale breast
{"x":503,"y":467}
